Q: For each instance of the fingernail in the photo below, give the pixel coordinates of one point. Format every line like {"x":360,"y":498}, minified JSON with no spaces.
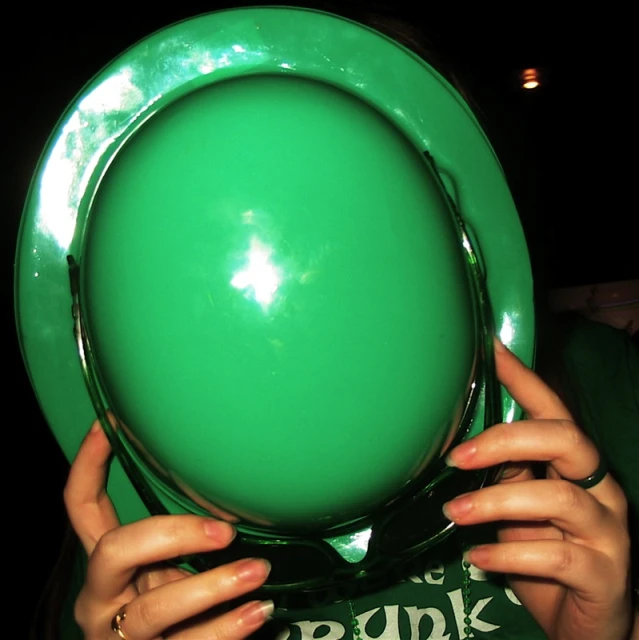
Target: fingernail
{"x":96,"y":426}
{"x":255,"y":613}
{"x":219,"y":531}
{"x":466,"y":556}
{"x":253,"y":570}
{"x":477,"y":555}
{"x":498,"y":345}
{"x":458,"y":507}
{"x":461,"y":453}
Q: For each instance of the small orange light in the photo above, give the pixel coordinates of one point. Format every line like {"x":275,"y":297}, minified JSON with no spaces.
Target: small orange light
{"x":530,"y":78}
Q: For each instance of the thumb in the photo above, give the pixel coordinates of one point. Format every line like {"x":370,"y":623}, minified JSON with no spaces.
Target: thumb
{"x":89,"y":508}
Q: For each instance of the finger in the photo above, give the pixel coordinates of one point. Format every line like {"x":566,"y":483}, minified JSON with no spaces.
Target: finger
{"x":570,"y":564}
{"x":89,"y":508}
{"x":122,"y":551}
{"x":560,"y":443}
{"x":570,"y":508}
{"x":151,"y":614}
{"x":235,"y":625}
{"x":157,"y":575}
{"x":535,"y":397}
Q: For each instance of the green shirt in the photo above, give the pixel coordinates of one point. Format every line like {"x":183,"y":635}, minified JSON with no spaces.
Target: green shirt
{"x":428,"y":605}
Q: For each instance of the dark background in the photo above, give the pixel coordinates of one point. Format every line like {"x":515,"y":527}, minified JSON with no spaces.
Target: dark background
{"x":566,"y":148}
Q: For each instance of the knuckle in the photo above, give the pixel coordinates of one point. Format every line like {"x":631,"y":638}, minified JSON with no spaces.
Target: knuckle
{"x":617,"y":502}
{"x":624,"y":544}
{"x":568,"y":496}
{"x":107,"y":550}
{"x":147,"y":612}
{"x":145,"y":582}
{"x":502,"y":435}
{"x":225,"y":631}
{"x":81,"y":611}
{"x":232,"y":628}
{"x":618,"y":544}
{"x":562,"y":560}
{"x":68,"y":495}
{"x":172,"y":529}
{"x":571,"y":435}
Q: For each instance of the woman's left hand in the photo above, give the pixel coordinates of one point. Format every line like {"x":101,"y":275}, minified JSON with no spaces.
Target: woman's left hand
{"x":565,"y":549}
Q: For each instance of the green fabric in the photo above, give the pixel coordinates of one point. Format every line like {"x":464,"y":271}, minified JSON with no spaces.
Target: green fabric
{"x":600,"y":374}
{"x":601,"y":379}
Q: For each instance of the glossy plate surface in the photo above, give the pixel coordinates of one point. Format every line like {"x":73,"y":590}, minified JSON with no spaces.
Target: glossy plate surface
{"x":244,"y":103}
{"x":277,"y":301}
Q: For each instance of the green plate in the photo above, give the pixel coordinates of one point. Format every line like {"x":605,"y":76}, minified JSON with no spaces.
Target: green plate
{"x":292,"y":235}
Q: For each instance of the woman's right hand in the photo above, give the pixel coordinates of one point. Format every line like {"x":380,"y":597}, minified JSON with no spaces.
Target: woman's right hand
{"x":126,"y":572}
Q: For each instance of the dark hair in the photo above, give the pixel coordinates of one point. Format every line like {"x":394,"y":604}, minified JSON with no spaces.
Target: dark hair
{"x":384,"y":18}
{"x":47,"y":616}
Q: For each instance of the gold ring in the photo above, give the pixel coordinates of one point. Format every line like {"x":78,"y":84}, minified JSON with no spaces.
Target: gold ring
{"x":116,"y":623}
